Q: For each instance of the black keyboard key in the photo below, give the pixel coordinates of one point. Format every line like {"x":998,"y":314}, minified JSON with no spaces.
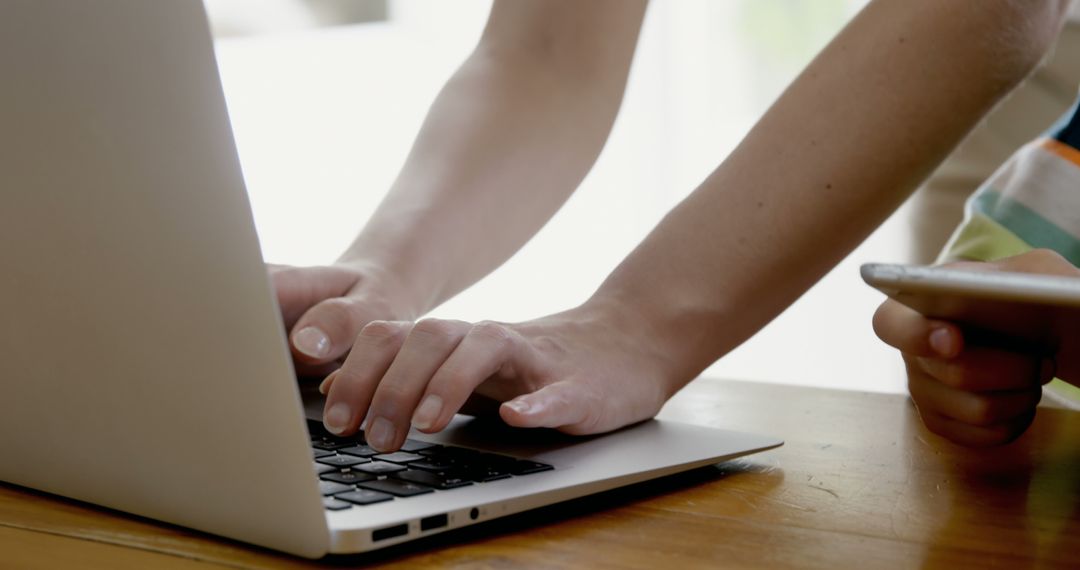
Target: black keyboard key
{"x":364,"y":497}
{"x":332,"y":488}
{"x":320,"y":468}
{"x":359,"y":451}
{"x":525,"y":467}
{"x":379,"y":467}
{"x":347,"y":477}
{"x":429,"y":451}
{"x":318,"y":431}
{"x":493,"y":460}
{"x":438,"y":480}
{"x":432,"y":464}
{"x":396,"y":487}
{"x":450,"y":454}
{"x":323,"y":439}
{"x":486,"y":475}
{"x":331,"y":444}
{"x":321,"y":452}
{"x":342,"y":460}
{"x":413,"y":445}
{"x":333,"y":504}
{"x":398,"y":457}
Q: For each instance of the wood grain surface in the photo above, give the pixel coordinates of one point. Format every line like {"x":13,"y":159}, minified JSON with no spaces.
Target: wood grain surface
{"x":859,"y":484}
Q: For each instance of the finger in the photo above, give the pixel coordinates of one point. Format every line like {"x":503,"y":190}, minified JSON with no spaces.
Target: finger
{"x":977,"y":436}
{"x":298,"y":288}
{"x":979,"y":369}
{"x":910,"y":332}
{"x":327,"y":330}
{"x":351,"y":390}
{"x":486,"y":349}
{"x":564,"y":405}
{"x":324,"y":386}
{"x":428,"y":345}
{"x":980,"y":409}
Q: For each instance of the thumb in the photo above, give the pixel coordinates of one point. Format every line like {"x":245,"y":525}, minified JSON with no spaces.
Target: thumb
{"x":558,"y":405}
{"x":905,"y":329}
{"x":326,"y":331}
{"x":298,"y":288}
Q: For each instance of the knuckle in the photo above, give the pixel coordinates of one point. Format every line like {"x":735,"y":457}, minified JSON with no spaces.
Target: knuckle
{"x":450,"y":379}
{"x":434,"y":328}
{"x":948,"y":373}
{"x":981,"y":412}
{"x":338,"y":313}
{"x":350,"y":387}
{"x":389,"y":396}
{"x":351,"y":308}
{"x":492,"y":331}
{"x":380,"y":334}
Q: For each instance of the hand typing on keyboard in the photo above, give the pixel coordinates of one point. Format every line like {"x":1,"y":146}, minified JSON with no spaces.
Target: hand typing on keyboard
{"x":325,"y":307}
{"x":583,"y":371}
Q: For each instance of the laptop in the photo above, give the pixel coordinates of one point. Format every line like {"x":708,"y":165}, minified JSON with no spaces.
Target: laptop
{"x":142,"y":355}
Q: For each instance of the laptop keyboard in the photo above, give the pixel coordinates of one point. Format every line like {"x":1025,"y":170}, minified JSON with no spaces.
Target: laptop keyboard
{"x":353,"y":474}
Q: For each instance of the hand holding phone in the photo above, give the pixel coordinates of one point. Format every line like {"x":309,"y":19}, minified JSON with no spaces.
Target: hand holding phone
{"x":980,"y":339}
{"x":1013,"y":304}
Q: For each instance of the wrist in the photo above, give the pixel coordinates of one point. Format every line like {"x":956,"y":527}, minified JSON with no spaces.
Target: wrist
{"x":685,"y":330}
{"x":654,"y":351}
{"x":396,"y":249}
{"x":382,"y":286}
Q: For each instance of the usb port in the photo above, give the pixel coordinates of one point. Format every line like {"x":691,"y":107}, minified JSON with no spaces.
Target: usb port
{"x":434,"y":521}
{"x":389,"y":532}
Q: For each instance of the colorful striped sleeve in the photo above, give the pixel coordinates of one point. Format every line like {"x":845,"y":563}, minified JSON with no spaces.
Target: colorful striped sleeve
{"x":1032,"y":201}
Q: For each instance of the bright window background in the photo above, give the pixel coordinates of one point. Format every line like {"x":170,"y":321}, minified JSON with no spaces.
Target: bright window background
{"x":324,"y":117}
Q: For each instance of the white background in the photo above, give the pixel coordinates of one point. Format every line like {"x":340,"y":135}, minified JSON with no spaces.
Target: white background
{"x":325,"y":116}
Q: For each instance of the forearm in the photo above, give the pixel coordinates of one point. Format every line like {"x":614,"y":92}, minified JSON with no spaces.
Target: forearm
{"x":842,"y":147}
{"x":506,"y":142}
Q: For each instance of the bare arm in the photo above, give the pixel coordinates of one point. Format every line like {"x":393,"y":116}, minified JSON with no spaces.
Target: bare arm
{"x":841,"y":148}
{"x":505,"y":143}
{"x":847,"y":142}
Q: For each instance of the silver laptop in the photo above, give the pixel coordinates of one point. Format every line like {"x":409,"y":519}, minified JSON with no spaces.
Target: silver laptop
{"x":143,"y":361}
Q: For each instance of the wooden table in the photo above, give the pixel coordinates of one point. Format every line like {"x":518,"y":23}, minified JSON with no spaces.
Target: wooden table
{"x":859,"y":484}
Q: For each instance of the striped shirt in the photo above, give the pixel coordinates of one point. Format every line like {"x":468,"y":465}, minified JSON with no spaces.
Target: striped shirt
{"x":1032,"y":201}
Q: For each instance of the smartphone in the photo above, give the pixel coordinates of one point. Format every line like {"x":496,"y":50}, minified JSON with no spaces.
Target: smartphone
{"x":1016,"y":304}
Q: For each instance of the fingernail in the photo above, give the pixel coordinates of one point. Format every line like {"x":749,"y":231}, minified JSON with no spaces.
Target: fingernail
{"x":312,"y":342}
{"x":337,"y":418}
{"x":324,"y":386}
{"x":942,"y":342}
{"x":381,"y":434}
{"x":519,"y":406}
{"x":428,"y":412}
